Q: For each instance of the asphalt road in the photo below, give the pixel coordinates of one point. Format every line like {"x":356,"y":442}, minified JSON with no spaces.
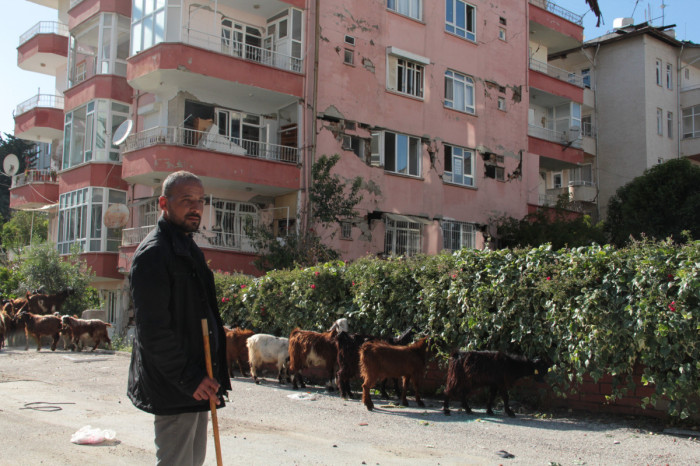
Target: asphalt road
{"x":45,"y":397}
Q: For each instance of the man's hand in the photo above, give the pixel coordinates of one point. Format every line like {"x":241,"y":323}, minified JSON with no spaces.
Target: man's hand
{"x":207,"y":390}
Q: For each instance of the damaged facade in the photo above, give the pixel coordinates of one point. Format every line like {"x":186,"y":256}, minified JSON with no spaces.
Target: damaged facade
{"x":432,"y":104}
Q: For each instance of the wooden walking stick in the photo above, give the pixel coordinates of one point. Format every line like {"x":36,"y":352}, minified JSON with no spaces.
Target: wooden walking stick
{"x":212,"y":403}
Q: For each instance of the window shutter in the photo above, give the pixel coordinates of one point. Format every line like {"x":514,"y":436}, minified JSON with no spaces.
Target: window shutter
{"x":377,"y":154}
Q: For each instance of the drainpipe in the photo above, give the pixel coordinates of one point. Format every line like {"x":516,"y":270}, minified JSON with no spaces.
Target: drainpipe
{"x":679,"y":116}
{"x":314,"y":114}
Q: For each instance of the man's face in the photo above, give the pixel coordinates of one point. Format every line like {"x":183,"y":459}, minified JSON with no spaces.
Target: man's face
{"x":184,"y":206}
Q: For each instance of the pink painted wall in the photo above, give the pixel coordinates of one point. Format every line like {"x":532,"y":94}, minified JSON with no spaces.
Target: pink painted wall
{"x":359,"y":93}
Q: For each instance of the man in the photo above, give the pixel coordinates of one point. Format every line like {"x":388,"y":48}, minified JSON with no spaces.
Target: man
{"x":173,"y":290}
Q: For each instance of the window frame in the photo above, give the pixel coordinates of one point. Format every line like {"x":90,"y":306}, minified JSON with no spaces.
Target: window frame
{"x":394,"y":230}
{"x":454,"y":231}
{"x":691,"y":117}
{"x":669,"y":124}
{"x":384,"y":141}
{"x":669,"y":76}
{"x":454,"y":79}
{"x":396,"y":6}
{"x":659,"y":121}
{"x":451,"y":157}
{"x":659,"y":73}
{"x":452,"y":24}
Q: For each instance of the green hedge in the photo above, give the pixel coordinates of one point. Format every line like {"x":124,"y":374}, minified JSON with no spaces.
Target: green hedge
{"x":593,"y":310}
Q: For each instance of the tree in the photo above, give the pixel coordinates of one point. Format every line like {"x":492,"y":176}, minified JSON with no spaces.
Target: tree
{"x":42,"y":267}
{"x":24,"y":152}
{"x":557,"y":226}
{"x":661,"y":203}
{"x":24,"y":228}
{"x":332,"y":200}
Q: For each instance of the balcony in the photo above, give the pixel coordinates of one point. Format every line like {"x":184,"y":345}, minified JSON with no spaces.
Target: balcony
{"x":40,"y":118}
{"x":211,"y":140}
{"x":237,"y":49}
{"x":557,"y":73}
{"x":33,"y":189}
{"x":264,"y":168}
{"x":560,"y":137}
{"x":240,"y":82}
{"x":562,"y":12}
{"x":43,"y":48}
{"x":206,"y":238}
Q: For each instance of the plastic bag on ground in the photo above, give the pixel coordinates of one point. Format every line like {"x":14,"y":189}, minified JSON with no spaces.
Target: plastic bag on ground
{"x":88,"y":435}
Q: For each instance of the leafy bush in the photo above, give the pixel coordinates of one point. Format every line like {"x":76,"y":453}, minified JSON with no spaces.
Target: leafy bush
{"x":592,"y":310}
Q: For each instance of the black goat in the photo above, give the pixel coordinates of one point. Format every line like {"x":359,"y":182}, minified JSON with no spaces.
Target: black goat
{"x":499,"y":371}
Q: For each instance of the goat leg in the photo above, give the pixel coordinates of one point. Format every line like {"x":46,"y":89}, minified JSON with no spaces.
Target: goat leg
{"x":446,"y":404}
{"x":404,"y":389}
{"x":56,"y":336}
{"x":465,"y":403}
{"x":416,"y":387}
{"x":506,"y":407}
{"x":366,"y":397}
{"x":492,"y":396}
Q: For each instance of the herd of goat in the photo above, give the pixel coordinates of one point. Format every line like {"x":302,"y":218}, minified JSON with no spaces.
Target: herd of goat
{"x":340,"y":355}
{"x":38,"y":315}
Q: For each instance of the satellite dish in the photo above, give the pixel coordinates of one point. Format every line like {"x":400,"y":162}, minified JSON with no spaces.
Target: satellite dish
{"x":122,"y":132}
{"x":116,"y":216}
{"x":10,"y":165}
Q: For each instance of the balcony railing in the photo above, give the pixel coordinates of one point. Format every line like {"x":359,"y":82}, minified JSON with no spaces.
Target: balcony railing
{"x":40,"y":100}
{"x":44,"y":27}
{"x":33,"y":176}
{"x":558,"y":73}
{"x":547,"y":134}
{"x":210,"y":140}
{"x":203,"y":238}
{"x":559,"y":11}
{"x":234,"y":48}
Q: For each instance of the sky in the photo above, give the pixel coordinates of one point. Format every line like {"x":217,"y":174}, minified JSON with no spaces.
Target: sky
{"x":20,"y":85}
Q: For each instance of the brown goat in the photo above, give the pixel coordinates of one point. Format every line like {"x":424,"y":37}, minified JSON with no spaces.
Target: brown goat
{"x":38,"y":326}
{"x":93,"y":328}
{"x":47,"y":303}
{"x":380,"y":360}
{"x":498,"y":371}
{"x":236,"y":349}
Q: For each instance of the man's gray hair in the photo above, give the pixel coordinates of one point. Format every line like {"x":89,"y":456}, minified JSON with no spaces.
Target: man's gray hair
{"x":176,"y":178}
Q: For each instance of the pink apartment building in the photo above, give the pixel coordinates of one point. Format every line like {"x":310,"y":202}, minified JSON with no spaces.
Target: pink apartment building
{"x":431,"y":103}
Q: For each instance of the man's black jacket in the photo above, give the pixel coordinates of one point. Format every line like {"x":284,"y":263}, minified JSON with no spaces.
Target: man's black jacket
{"x":172,"y":287}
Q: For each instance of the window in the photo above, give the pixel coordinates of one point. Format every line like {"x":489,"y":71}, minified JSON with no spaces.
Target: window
{"x":355,"y":144}
{"x":349,"y":57}
{"x":408,"y":77}
{"x":241,"y":40}
{"x":659,"y":73}
{"x":245,"y":129}
{"x":345,"y":230}
{"x":691,"y":122}
{"x":669,"y":124}
{"x":148,"y":23}
{"x":502,"y":20}
{"x":402,"y":237}
{"x":98,"y":46}
{"x":460,"y":19}
{"x":87,"y":132}
{"x":458,"y":235}
{"x":459,"y":166}
{"x":410,"y":8}
{"x":581,"y":175}
{"x":398,"y":153}
{"x":459,"y":92}
{"x":502,"y":34}
{"x":231,"y":219}
{"x":587,"y":125}
{"x":586,"y":76}
{"x":659,"y":122}
{"x":350,"y":40}
{"x":557,"y":178}
{"x":669,"y":76}
{"x":502,"y":104}
{"x":80,"y":220}
{"x":494,"y":166}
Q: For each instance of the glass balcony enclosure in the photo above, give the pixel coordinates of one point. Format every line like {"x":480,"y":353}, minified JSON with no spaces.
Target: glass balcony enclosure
{"x":271,"y":34}
{"x":88,"y":132}
{"x":80,"y":220}
{"x":100,"y":46}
